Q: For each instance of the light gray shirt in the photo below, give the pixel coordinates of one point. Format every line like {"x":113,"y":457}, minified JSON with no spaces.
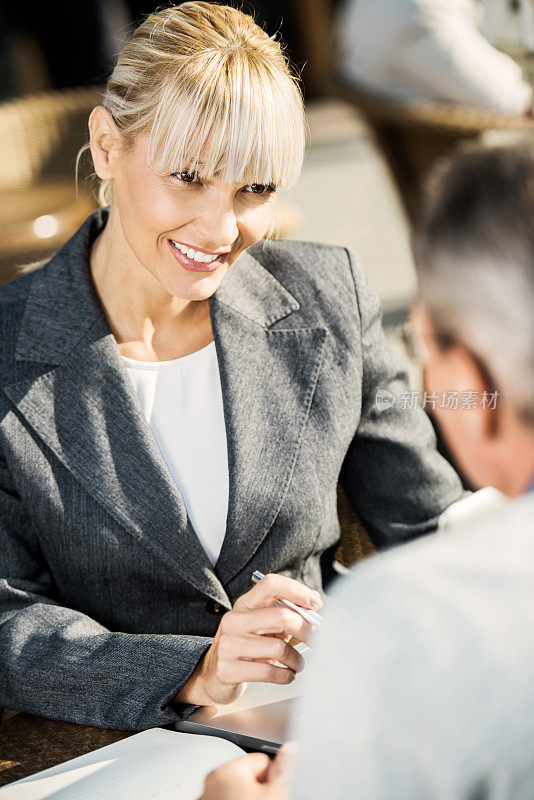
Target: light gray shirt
{"x":422,"y":684}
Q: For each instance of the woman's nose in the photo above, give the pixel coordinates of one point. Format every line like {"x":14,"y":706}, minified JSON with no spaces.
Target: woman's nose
{"x":221,"y":224}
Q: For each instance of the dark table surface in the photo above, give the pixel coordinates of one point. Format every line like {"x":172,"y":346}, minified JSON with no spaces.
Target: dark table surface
{"x":29,"y":744}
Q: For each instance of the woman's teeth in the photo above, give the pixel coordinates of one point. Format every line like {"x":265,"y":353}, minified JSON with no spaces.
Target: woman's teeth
{"x":194,"y":255}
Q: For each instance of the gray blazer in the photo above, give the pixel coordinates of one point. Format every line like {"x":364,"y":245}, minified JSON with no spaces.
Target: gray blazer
{"x":107,"y":598}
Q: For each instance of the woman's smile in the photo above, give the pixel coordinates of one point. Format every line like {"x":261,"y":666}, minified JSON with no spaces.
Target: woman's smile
{"x":195,"y":259}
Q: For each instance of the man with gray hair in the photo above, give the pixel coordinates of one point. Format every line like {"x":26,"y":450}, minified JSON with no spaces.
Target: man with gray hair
{"x":421,"y":685}
{"x":475,"y":262}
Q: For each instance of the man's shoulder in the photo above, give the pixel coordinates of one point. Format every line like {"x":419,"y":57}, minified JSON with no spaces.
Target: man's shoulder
{"x":467,"y":592}
{"x":426,"y":664}
{"x":458,"y":564}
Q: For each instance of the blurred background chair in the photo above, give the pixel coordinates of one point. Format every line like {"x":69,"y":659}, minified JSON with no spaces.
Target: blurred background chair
{"x":413,"y":134}
{"x":39,"y":208}
{"x":355,"y":543}
{"x":315,"y":37}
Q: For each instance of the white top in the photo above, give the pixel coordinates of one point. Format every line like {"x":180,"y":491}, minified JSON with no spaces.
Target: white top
{"x":428,"y":50}
{"x":182,"y":402}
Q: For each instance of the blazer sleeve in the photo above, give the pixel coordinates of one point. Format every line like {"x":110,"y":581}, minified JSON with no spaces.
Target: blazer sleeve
{"x":393,"y":474}
{"x":55,"y":659}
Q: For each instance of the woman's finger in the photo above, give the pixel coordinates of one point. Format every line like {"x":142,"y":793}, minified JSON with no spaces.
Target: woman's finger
{"x":285,"y":636}
{"x":238,"y":671}
{"x":261,"y":647}
{"x":276,"y":587}
{"x":262,"y":621}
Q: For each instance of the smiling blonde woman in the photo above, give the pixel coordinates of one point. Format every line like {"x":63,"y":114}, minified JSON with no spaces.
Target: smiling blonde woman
{"x":180,"y":400}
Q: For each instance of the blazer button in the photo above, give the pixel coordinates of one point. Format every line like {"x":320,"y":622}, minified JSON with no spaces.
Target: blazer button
{"x":216,"y":608}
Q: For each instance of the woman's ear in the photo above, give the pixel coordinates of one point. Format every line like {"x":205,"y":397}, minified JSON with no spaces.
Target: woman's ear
{"x":105,"y":142}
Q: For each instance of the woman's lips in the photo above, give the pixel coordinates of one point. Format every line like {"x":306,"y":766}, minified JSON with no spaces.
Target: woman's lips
{"x":191,"y":264}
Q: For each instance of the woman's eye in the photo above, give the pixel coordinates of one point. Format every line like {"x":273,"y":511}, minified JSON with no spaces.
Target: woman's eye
{"x":186,"y":176}
{"x":261,"y":188}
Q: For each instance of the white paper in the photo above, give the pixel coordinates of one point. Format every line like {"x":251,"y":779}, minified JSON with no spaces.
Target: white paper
{"x":153,"y":765}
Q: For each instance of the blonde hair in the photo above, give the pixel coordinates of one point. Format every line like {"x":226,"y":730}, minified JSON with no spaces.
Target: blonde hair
{"x":208,"y":85}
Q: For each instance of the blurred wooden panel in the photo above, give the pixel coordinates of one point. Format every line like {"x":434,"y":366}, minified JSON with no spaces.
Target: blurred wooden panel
{"x":41,"y":135}
{"x":37,"y":221}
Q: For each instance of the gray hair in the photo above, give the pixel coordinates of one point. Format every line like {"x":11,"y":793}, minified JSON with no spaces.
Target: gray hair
{"x":474,"y":251}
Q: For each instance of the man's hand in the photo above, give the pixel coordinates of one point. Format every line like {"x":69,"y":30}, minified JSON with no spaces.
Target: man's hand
{"x":254,"y":777}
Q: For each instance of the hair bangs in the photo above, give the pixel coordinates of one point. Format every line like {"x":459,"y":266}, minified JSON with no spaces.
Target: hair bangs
{"x":241,"y":128}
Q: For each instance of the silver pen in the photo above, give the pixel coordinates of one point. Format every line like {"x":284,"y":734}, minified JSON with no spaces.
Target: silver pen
{"x":312,"y":617}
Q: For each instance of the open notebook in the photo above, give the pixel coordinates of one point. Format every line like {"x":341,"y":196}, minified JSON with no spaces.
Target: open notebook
{"x":156,"y":764}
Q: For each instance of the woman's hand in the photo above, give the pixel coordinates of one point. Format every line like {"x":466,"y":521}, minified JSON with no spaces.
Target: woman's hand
{"x":255,"y":777}
{"x":252,"y":642}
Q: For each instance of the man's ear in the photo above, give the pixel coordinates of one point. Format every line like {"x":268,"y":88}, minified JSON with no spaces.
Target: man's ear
{"x":105,"y":143}
{"x":477,"y":389}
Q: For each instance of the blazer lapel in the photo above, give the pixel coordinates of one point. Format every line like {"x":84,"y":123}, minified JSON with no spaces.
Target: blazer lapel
{"x":268,"y":378}
{"x":77,"y":397}
{"x":87,"y":412}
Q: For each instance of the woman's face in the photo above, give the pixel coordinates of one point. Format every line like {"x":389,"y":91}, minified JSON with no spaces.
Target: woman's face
{"x":186,"y":232}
